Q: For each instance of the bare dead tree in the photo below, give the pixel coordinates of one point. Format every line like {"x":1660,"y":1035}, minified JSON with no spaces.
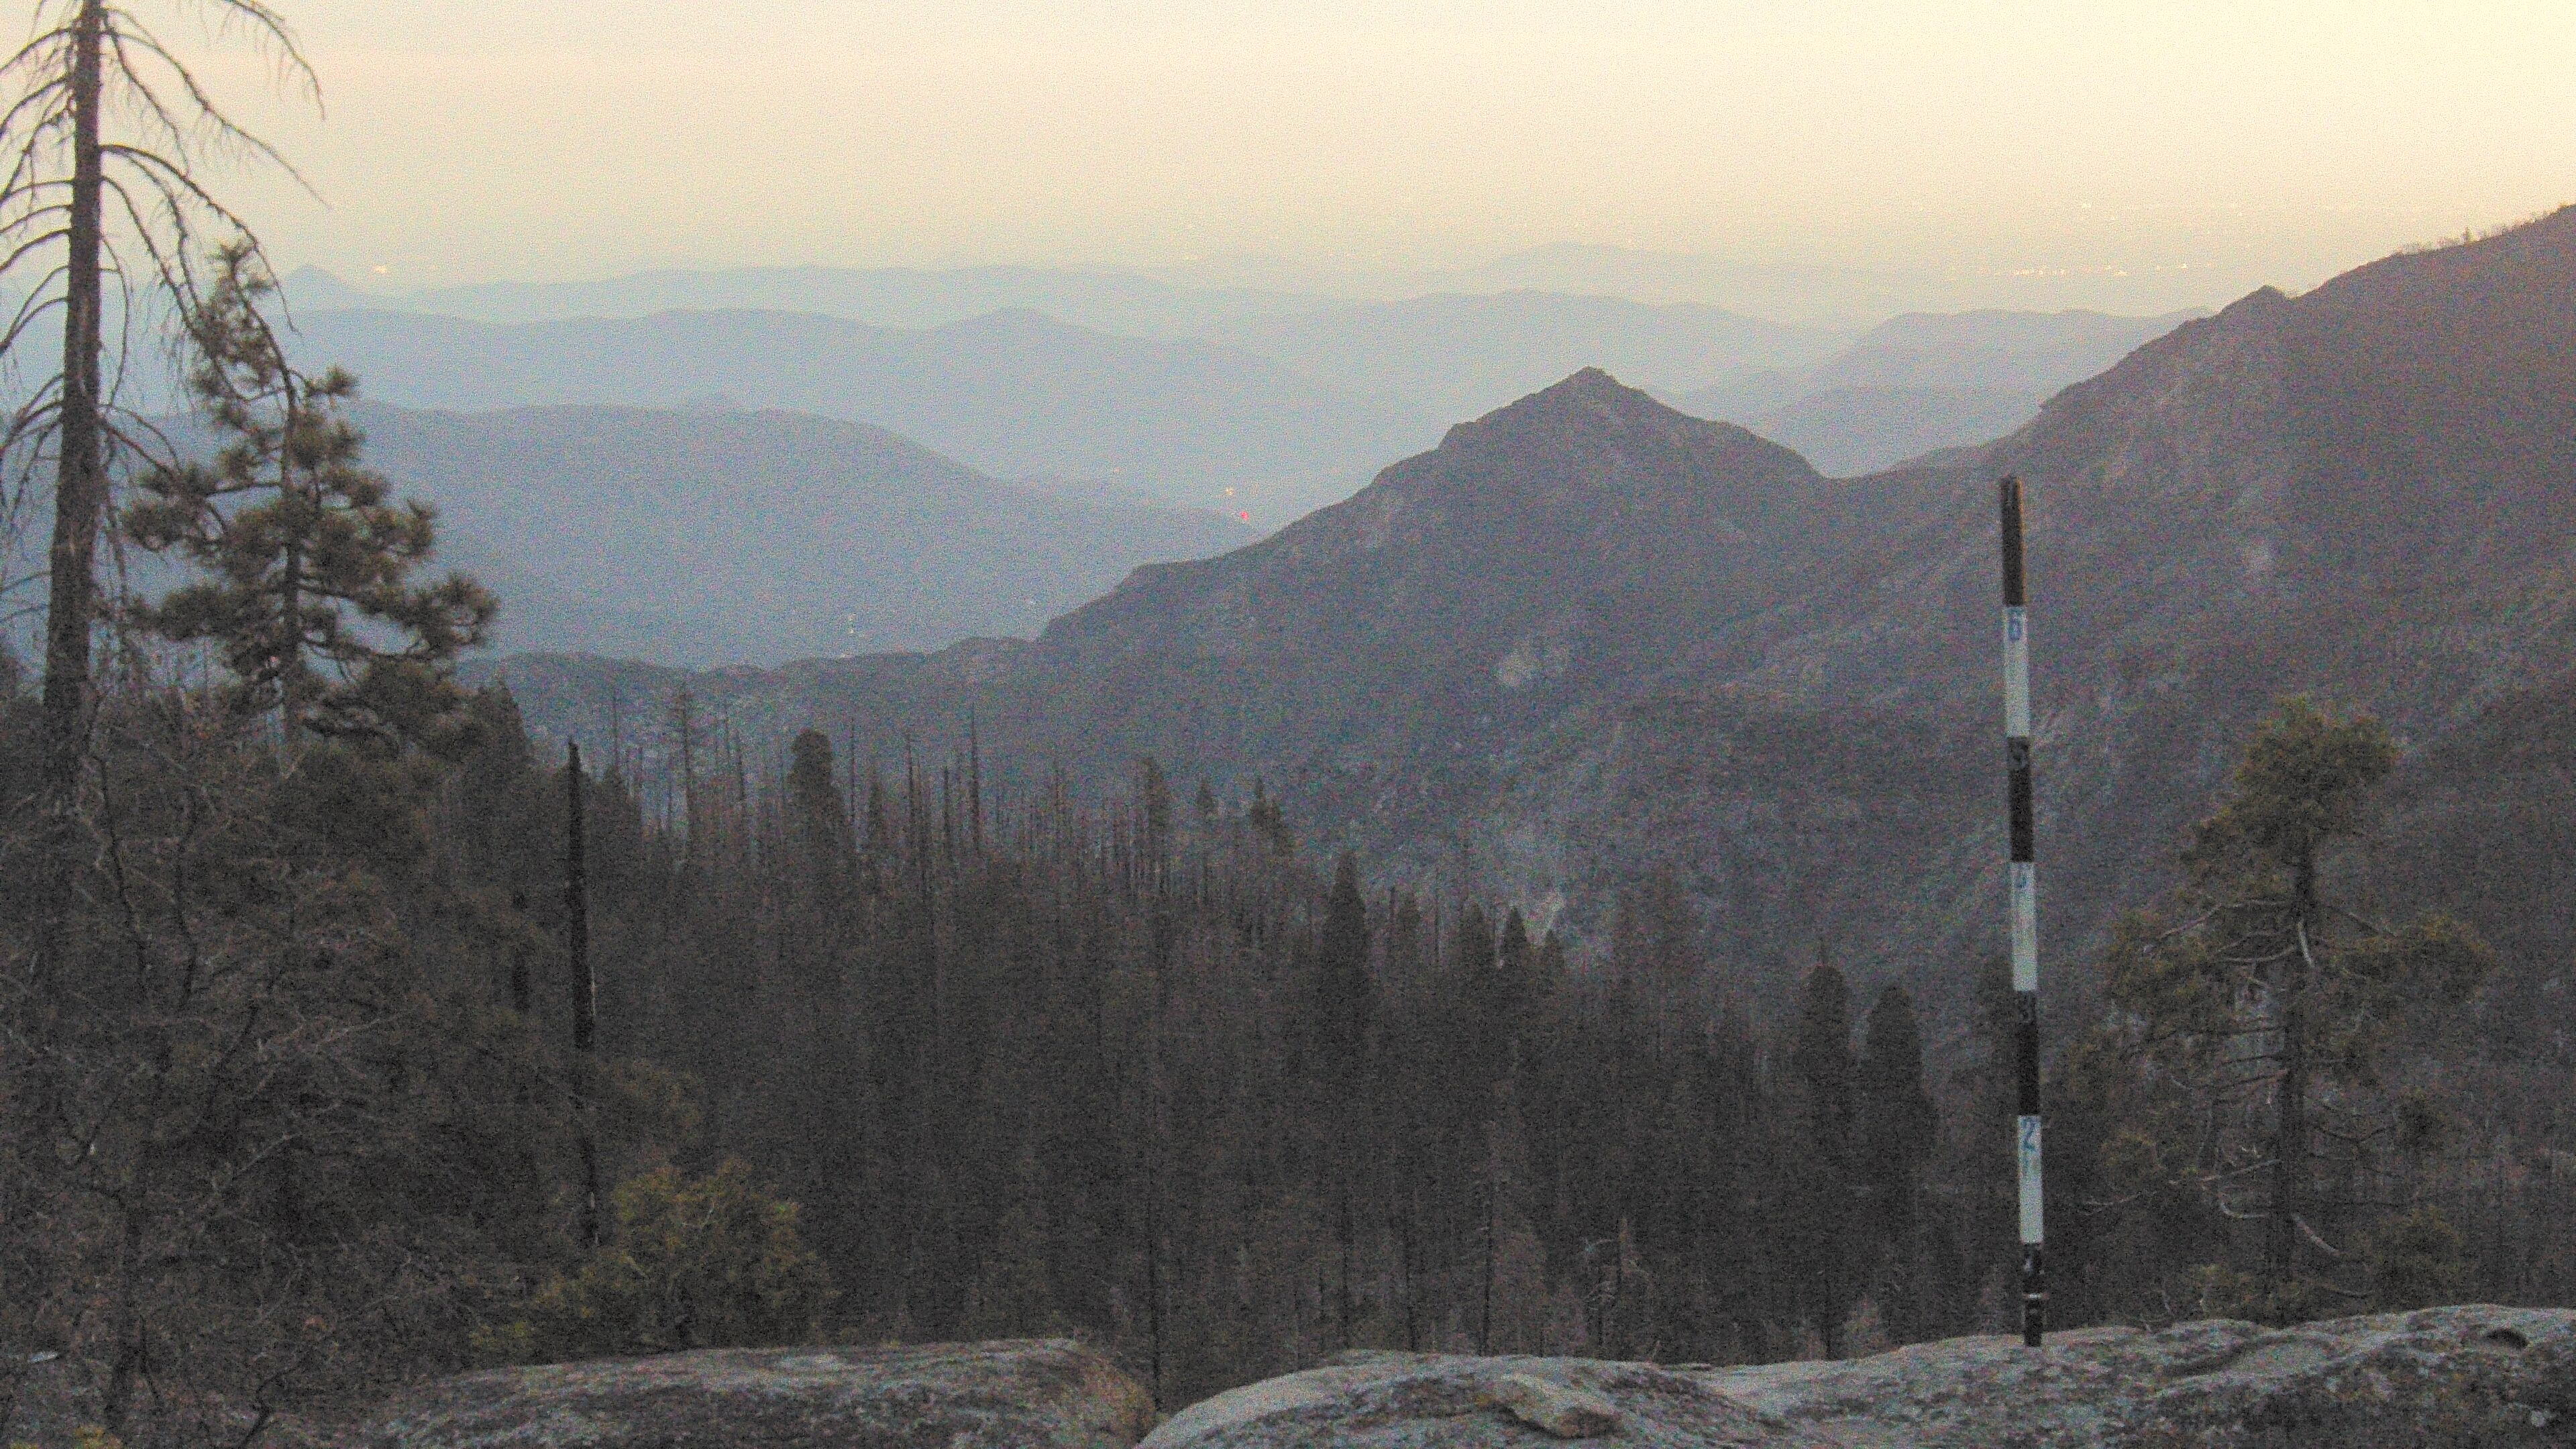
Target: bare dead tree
{"x":104,"y":139}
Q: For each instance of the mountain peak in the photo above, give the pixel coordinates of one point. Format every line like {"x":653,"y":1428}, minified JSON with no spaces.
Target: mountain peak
{"x":1590,"y":402}
{"x":1591,"y":410}
{"x":1591,"y":392}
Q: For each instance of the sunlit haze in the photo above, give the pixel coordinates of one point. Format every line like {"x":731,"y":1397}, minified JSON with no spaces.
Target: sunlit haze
{"x":2131,"y":154}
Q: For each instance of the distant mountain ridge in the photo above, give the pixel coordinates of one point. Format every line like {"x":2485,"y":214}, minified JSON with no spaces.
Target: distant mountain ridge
{"x":1918,"y":383}
{"x":1272,"y":418}
{"x":1011,"y":393}
{"x":1589,"y":635}
{"x":712,"y":536}
{"x":1269,"y":417}
{"x":1195,"y":298}
{"x":1105,"y":301}
{"x":1461,"y":355}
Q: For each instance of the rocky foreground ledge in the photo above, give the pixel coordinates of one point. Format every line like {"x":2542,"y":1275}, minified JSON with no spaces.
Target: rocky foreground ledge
{"x":1015,"y":1394}
{"x":2443,"y":1378}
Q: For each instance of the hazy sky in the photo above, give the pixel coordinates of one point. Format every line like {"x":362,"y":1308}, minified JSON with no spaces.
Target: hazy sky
{"x":478,"y":139}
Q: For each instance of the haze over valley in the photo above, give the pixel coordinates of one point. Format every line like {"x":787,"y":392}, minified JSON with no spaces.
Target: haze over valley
{"x":1271,"y":411}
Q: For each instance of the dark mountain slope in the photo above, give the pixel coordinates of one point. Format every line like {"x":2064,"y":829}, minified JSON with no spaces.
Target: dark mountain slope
{"x":1588,"y":635}
{"x":2436,"y":394}
{"x":1555,"y":550}
{"x":2364,"y":492}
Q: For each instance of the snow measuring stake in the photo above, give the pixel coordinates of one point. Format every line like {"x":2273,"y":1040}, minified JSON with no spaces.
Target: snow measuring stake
{"x":2024,"y":891}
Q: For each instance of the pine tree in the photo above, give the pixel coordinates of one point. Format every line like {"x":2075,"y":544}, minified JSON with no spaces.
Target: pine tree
{"x":1152,"y":791}
{"x":310,"y":600}
{"x":2261,"y":1026}
{"x":1346,"y":991}
{"x":502,"y":828}
{"x":822,"y":827}
{"x":708,"y":1262}
{"x":1519,"y":985}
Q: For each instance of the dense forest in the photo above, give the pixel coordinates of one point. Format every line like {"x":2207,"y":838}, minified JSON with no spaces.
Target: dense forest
{"x":306,"y":1094}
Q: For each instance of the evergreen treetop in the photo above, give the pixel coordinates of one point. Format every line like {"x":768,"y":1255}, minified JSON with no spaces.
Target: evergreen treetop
{"x":309,"y":599}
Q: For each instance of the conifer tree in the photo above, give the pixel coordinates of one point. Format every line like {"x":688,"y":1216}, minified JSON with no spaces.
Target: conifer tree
{"x":310,"y":599}
{"x":1517,"y":986}
{"x":496,"y":782}
{"x":826,"y":857}
{"x":1269,"y":820}
{"x":714,"y":1261}
{"x":814,"y":802}
{"x":2258,"y":1016}
{"x":1153,"y":795}
{"x":1347,"y":990}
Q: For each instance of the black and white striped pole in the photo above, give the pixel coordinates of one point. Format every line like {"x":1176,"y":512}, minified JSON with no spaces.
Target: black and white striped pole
{"x":2025,"y":919}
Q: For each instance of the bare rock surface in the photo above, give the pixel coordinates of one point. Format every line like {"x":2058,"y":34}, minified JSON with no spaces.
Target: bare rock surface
{"x":1016,"y":1394}
{"x":2442,"y":1378}
{"x":2469,"y":1377}
{"x":1432,"y":1401}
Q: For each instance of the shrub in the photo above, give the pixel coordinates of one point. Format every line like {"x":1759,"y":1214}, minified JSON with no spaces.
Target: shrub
{"x":706,"y":1262}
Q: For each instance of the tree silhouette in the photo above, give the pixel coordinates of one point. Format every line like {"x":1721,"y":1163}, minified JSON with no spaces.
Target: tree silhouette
{"x":104,"y":135}
{"x":310,"y":598}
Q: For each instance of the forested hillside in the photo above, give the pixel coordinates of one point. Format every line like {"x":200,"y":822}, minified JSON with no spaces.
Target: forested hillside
{"x":1142,"y":1065}
{"x":1607,"y":967}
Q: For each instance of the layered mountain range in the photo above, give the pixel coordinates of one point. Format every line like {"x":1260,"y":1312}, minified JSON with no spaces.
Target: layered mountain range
{"x":716,"y":535}
{"x":1589,"y":636}
{"x":1921,"y":382}
{"x":1014,"y":393}
{"x":1459,"y":354}
{"x":720,"y":536}
{"x":1262,"y":403}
